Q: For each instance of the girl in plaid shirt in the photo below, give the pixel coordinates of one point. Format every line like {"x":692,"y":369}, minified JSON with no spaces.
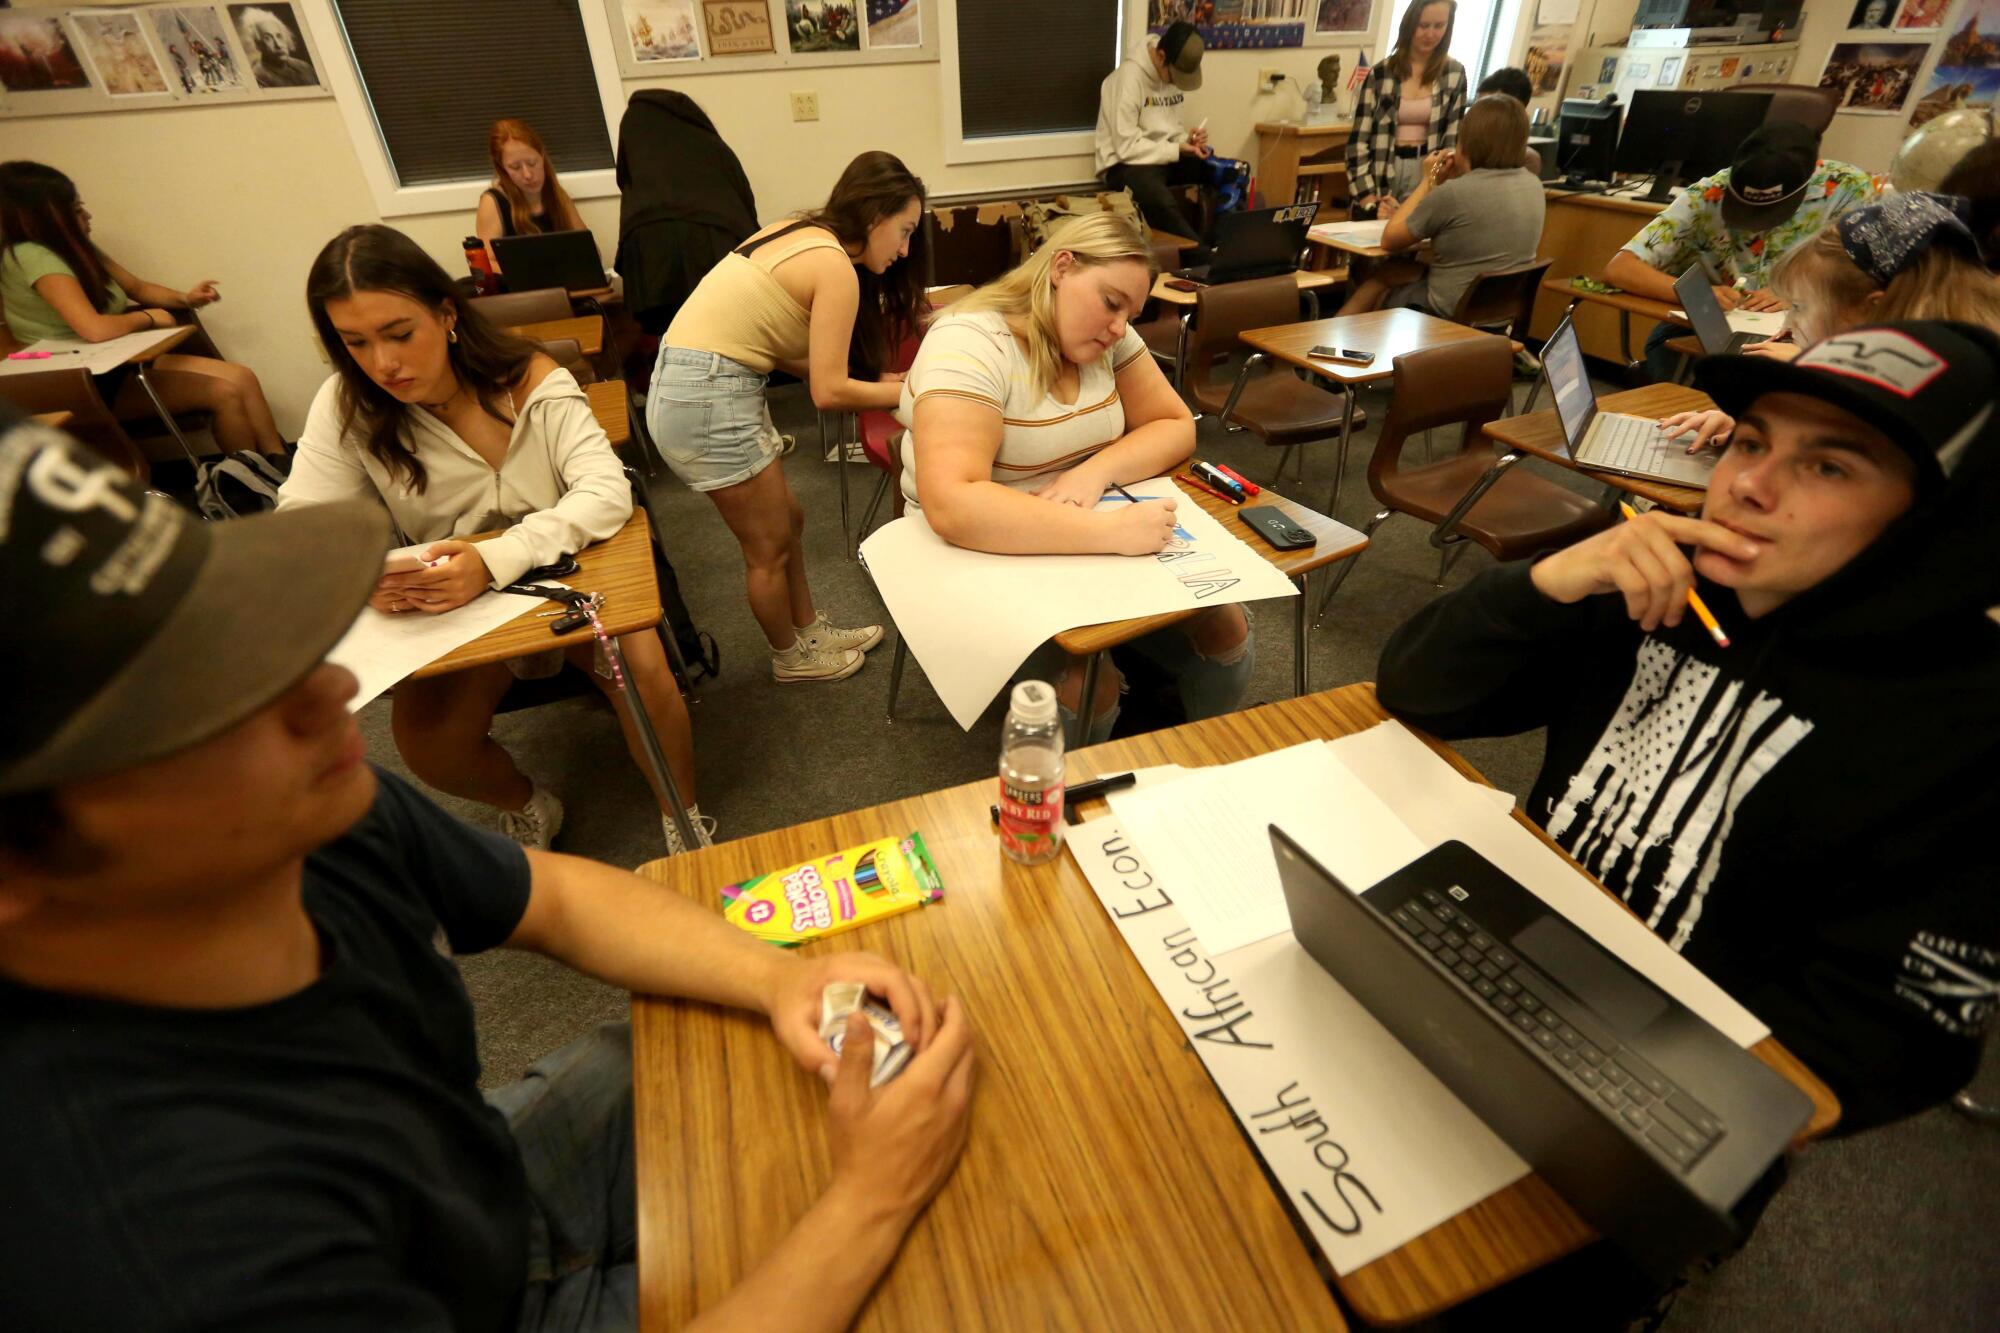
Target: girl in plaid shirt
{"x":1410,"y":107}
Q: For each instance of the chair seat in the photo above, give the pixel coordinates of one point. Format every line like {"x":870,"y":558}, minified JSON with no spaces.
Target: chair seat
{"x":1162,"y":337}
{"x":1520,"y":515}
{"x":1280,"y":407}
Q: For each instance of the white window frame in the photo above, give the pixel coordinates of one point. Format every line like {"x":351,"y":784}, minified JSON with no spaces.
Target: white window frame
{"x":959,"y":150}
{"x":392,"y":199}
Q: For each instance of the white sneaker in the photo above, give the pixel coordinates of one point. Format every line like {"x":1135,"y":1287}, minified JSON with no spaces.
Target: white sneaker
{"x":804,"y":662}
{"x":704,"y":831}
{"x":828,"y":637}
{"x":535,"y":824}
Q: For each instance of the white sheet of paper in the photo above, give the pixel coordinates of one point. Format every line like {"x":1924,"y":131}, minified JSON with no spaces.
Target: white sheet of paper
{"x":1352,"y":233}
{"x":380,"y":649}
{"x":1317,"y":1083}
{"x":1437,"y":804}
{"x":76,"y":354}
{"x":1207,"y":835}
{"x":1770,"y":323}
{"x":971,"y":617}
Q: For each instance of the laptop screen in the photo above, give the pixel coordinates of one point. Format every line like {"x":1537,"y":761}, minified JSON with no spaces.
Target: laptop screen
{"x":1569,"y":382}
{"x":1711,"y":326}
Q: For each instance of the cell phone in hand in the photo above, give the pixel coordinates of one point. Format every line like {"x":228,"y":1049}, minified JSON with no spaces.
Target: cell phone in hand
{"x":1352,"y":356}
{"x":401,"y":562}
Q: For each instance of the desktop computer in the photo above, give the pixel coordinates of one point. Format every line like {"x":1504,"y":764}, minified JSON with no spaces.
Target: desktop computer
{"x":1681,"y":136}
{"x":1586,"y":140}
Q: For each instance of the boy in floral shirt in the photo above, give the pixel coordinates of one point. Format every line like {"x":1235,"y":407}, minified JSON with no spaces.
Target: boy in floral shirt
{"x":1737,"y":224}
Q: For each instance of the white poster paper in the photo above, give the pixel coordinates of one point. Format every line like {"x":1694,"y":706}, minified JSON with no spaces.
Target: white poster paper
{"x":1369,"y":1148}
{"x":76,"y":354}
{"x":380,"y":648}
{"x":970,"y":617}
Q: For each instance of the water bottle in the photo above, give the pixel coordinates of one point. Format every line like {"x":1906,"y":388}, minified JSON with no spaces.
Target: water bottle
{"x":1031,"y":775}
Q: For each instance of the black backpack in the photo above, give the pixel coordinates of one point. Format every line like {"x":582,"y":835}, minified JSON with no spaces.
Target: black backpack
{"x":239,"y":484}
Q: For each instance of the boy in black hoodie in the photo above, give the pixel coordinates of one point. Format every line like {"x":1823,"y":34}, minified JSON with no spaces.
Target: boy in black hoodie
{"x":1807,"y":814}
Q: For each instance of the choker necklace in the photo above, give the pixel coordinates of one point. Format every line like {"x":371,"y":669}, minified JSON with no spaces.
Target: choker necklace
{"x":439,"y":407}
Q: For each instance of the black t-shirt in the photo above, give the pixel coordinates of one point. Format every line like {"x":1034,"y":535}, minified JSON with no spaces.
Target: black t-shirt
{"x":322,"y":1161}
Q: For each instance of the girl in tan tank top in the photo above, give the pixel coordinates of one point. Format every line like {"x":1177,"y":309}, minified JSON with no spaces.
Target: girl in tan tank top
{"x":812,"y":296}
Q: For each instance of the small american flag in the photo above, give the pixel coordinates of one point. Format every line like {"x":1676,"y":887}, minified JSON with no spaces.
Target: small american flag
{"x":879,"y":10}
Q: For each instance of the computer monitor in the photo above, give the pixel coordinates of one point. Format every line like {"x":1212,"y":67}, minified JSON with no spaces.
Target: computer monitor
{"x":1681,"y":136}
{"x":1586,"y":140}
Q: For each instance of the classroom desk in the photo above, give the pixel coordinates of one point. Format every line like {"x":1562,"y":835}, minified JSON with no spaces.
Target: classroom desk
{"x":1624,"y":304}
{"x":1540,"y":434}
{"x":587,"y":330}
{"x":1311,"y":283}
{"x":1105,"y":1183}
{"x":1581,"y":232}
{"x":1331,"y":541}
{"x":612,"y":407}
{"x":1387,"y":333}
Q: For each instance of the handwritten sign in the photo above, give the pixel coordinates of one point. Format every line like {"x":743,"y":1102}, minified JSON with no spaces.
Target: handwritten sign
{"x":1370,"y":1149}
{"x":737,"y":27}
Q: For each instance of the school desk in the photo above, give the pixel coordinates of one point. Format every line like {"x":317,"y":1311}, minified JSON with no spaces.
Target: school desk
{"x":612,"y":407}
{"x":1311,"y":283}
{"x":587,"y":330}
{"x":1541,"y":434}
{"x":1105,"y":1184}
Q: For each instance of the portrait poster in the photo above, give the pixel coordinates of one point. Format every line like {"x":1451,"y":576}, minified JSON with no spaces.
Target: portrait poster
{"x":895,"y":23}
{"x":198,"y":50}
{"x":272,"y":40}
{"x":1875,"y":15}
{"x":1235,"y":25}
{"x":1333,"y":17}
{"x":115,"y":43}
{"x":36,"y":55}
{"x":1873,"y":78}
{"x":1921,"y":15}
{"x":1544,"y":61}
{"x":737,"y":27}
{"x":661,"y":31}
{"x":816,"y":26}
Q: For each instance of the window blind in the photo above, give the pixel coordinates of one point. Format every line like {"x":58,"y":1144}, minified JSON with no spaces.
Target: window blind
{"x":439,"y":73}
{"x":1033,"y":66}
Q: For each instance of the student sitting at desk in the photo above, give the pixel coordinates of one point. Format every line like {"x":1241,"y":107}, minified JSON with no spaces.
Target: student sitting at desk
{"x":1479,"y":210}
{"x":1515,"y":84}
{"x":1806,"y":814}
{"x":815,"y":296}
{"x":457,"y":427}
{"x":1737,"y":224}
{"x":242,"y":1081}
{"x":1909,"y":257}
{"x":1030,"y":401}
{"x":525,"y":198}
{"x":56,"y":283}
{"x":1408,"y":110}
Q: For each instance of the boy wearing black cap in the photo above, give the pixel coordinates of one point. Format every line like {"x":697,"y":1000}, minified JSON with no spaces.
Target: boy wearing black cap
{"x":1807,"y":814}
{"x":1737,"y":224}
{"x":1143,"y":143}
{"x":241,"y":1083}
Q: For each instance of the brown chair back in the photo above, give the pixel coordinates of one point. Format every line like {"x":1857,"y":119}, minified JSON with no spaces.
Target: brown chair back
{"x":1504,"y":298}
{"x":1468,"y":383}
{"x":568,"y":353}
{"x":524,"y":307}
{"x":1810,"y":107}
{"x":1224,"y":310}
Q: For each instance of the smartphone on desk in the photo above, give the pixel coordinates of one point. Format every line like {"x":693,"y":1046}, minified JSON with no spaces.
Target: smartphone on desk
{"x":1352,"y":356}
{"x":1182,"y":285}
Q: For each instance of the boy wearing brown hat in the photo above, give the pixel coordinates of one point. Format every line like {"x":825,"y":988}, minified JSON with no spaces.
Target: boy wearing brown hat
{"x":1143,"y":142}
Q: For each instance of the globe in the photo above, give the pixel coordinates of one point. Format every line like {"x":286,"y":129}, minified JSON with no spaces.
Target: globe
{"x":1927,"y":156}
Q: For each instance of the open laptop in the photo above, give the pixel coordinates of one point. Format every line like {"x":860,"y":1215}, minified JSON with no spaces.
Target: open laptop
{"x":1612,"y":441}
{"x":1711,"y":325}
{"x":1650,"y":1122}
{"x":1255,"y":243}
{"x":566,"y":259}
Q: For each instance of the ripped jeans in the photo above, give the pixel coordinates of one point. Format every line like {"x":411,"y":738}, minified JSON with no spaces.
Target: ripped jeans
{"x":1208,"y":686}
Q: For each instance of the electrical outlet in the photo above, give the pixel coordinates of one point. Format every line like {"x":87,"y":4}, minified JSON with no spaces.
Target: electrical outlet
{"x":805,"y":106}
{"x":1268,"y":78}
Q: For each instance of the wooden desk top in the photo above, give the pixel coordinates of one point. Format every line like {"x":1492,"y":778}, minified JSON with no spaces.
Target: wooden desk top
{"x":1105,"y":1183}
{"x":1540,"y":434}
{"x":1293,"y":129}
{"x":1626,"y":301}
{"x":588,"y":330}
{"x":1617,"y":204}
{"x":1332,"y":541}
{"x":1387,"y":333}
{"x":611,"y":405}
{"x":1308,"y":280}
{"x":1159,"y":237}
{"x":621,"y":568}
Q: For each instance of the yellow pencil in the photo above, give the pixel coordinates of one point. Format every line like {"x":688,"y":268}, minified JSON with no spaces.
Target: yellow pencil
{"x":1706,"y":616}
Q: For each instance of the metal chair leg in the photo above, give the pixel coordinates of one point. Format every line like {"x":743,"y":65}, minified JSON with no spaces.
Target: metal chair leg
{"x":868,"y":514}
{"x":649,"y":742}
{"x":1284,"y":458}
{"x":1346,"y":568}
{"x":1086,"y":711}
{"x":1447,"y":557}
{"x":896,"y":673}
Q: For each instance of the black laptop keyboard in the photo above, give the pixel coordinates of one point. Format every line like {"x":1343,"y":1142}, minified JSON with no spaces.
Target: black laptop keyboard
{"x":1653,"y":1110}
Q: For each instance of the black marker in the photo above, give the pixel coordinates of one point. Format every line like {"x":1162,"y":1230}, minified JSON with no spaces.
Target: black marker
{"x":1084,"y":791}
{"x":1219,"y":480}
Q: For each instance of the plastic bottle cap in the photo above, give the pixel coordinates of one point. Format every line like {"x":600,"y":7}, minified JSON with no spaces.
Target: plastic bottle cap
{"x":1033,"y":701}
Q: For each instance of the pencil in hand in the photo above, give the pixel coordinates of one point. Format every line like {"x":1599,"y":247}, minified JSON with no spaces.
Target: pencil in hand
{"x":1695,"y":604}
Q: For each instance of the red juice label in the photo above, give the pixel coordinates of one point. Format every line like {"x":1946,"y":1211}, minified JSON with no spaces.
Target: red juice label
{"x":1029,"y":819}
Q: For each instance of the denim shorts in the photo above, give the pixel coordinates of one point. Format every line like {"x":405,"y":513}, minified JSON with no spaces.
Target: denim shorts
{"x":709,"y":418}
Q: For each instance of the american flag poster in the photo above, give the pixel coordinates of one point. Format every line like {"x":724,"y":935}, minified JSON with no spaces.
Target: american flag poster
{"x":895,"y":23}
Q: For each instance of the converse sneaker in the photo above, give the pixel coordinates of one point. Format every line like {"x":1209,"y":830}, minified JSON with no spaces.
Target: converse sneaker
{"x":535,"y":824}
{"x":803,"y":662}
{"x":825,"y":635}
{"x":704,"y":831}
